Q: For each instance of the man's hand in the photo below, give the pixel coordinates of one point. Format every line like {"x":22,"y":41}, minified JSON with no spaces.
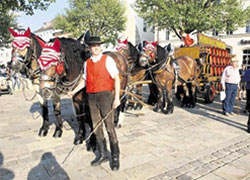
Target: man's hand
{"x":116,"y":103}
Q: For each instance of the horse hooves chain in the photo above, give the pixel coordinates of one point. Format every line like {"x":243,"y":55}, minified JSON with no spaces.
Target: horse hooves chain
{"x":57,"y":134}
{"x":43,"y":132}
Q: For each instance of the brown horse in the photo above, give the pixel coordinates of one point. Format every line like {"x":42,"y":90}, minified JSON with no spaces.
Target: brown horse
{"x":168,"y":72}
{"x":136,"y":73}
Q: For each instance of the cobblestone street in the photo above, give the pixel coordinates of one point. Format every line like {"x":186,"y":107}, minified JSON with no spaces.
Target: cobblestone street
{"x":198,"y":143}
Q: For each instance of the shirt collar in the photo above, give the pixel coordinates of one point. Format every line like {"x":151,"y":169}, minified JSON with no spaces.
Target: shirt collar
{"x":97,"y":58}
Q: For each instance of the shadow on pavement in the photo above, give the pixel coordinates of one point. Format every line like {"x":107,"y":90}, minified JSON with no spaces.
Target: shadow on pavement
{"x":203,"y":109}
{"x":5,"y":174}
{"x":48,"y":169}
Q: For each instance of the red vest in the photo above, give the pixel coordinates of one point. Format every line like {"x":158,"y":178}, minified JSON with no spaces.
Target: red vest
{"x":188,"y":41}
{"x":98,"y":77}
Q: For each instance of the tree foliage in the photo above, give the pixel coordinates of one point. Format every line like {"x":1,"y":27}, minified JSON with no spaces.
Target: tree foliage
{"x":193,"y":15}
{"x":23,"y":5}
{"x":8,"y":19}
{"x":101,"y":17}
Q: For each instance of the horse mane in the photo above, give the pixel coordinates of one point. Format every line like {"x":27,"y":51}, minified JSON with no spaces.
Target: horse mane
{"x":74,"y":57}
{"x":134,"y":54}
{"x":35,"y":46}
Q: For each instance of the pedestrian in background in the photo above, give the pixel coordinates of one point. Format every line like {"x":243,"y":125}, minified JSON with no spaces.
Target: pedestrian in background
{"x":242,"y":92}
{"x":246,"y":78}
{"x":230,"y":81}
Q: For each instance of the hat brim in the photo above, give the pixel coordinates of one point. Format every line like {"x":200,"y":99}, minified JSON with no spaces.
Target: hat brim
{"x":95,"y":42}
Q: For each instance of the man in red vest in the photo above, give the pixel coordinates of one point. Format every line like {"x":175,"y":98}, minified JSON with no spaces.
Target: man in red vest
{"x":102,"y":77}
{"x":188,"y":41}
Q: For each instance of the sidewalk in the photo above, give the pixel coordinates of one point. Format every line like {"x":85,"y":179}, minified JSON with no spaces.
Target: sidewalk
{"x":198,"y":143}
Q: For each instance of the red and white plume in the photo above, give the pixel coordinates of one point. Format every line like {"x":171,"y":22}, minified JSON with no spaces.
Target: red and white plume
{"x":50,"y":55}
{"x":150,"y":46}
{"x":21,"y":38}
{"x":122,"y":44}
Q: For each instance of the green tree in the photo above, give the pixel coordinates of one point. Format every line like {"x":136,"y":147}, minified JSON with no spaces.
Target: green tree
{"x":23,"y":5}
{"x":101,"y":17}
{"x":8,"y":19}
{"x":193,"y":15}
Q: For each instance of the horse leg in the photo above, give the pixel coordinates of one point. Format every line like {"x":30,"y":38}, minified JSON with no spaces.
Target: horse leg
{"x":45,"y":127}
{"x":158,"y":105}
{"x":194,"y":98}
{"x":81,"y":131}
{"x":138,"y":92}
{"x":170,"y":106}
{"x":57,"y":110}
{"x":186,"y":95}
{"x":152,"y":99}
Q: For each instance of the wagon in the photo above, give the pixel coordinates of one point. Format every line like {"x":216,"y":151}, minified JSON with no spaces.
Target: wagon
{"x":214,"y":57}
{"x":4,"y":86}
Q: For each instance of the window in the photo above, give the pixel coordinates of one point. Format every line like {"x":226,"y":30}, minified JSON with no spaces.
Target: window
{"x":144,"y":27}
{"x":246,"y":58}
{"x":229,"y":32}
{"x":248,"y":27}
{"x":215,"y":32}
{"x":167,"y":34}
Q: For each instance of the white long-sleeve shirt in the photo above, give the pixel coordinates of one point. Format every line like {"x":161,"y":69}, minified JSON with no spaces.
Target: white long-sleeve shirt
{"x":110,"y":66}
{"x":230,"y":75}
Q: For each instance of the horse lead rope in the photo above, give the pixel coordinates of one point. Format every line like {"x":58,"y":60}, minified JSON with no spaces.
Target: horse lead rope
{"x":92,"y":132}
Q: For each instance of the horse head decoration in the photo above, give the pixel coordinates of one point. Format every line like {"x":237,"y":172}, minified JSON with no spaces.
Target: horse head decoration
{"x":129,"y":51}
{"x":51,"y":65}
{"x":148,"y":55}
{"x":26,"y":48}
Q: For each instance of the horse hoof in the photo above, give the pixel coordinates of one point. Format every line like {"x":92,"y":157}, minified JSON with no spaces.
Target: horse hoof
{"x":43,"y":132}
{"x":118,"y":125}
{"x":155,"y":109}
{"x":57,"y":133}
{"x":78,"y":141}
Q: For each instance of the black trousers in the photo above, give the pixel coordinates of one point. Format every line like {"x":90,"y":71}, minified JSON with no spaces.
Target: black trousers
{"x":100,"y":105}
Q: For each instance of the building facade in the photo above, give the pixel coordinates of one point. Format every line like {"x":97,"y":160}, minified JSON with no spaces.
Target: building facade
{"x":238,"y":42}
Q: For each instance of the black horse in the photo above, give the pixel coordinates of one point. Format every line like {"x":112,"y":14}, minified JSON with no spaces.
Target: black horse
{"x":62,"y":75}
{"x":24,"y":59}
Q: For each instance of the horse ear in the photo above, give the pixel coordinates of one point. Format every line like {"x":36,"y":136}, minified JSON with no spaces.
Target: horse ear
{"x":168,"y":47}
{"x":147,"y":42}
{"x":14,"y":33}
{"x":139,"y":47}
{"x":155,"y":43}
{"x":27,"y":32}
{"x":86,"y":37}
{"x":125,"y":42}
{"x":57,"y":45}
{"x":40,"y":41}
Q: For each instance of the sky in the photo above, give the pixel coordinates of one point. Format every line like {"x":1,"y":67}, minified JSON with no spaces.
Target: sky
{"x":37,"y":20}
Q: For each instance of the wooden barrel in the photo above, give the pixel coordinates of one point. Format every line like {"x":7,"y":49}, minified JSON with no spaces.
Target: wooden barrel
{"x":208,"y":58}
{"x":219,"y":71}
{"x":226,"y":53}
{"x":214,"y":70}
{"x":214,"y":60}
{"x":214,"y":51}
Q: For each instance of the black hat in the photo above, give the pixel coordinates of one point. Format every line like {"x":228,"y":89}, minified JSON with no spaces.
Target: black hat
{"x":94,"y":40}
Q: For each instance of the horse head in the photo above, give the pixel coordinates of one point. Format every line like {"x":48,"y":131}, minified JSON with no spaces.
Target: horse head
{"x":61,"y":62}
{"x":148,"y":53}
{"x":26,"y":47}
{"x":51,"y":65}
{"x":129,"y":51}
